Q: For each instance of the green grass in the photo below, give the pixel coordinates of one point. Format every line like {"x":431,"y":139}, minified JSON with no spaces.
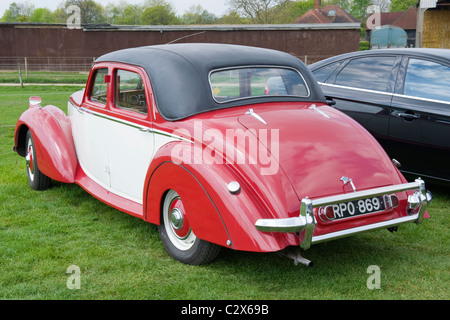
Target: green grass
{"x":121,"y":257}
{"x":39,"y":77}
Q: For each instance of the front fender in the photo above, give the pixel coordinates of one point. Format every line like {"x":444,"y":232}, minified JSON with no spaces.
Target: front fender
{"x":215,"y":214}
{"x":54,"y":146}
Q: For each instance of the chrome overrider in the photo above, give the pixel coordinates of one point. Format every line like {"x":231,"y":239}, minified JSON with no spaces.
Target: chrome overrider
{"x":305,"y":223}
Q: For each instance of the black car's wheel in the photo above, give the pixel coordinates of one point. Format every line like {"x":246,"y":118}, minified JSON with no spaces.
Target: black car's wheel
{"x":177,"y":236}
{"x":36,"y":179}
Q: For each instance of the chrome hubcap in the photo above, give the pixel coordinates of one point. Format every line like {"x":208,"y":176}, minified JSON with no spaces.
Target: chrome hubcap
{"x":29,"y":160}
{"x":177,"y":223}
{"x":176,"y":219}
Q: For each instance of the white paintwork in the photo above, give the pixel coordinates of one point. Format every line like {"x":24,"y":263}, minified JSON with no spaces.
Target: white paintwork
{"x":90,"y":141}
{"x":130,"y":152}
{"x":115,"y":153}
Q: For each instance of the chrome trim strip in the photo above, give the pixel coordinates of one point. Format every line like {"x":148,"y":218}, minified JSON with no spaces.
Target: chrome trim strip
{"x":365,"y":194}
{"x":100,"y":115}
{"x":356,"y":89}
{"x":385,"y":93}
{"x":419,"y":98}
{"x":306,"y":222}
{"x":352,"y":231}
{"x":144,"y":129}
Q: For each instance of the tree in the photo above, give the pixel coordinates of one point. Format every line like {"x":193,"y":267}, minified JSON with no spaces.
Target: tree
{"x":197,"y":15}
{"x":18,"y":12}
{"x":232,"y":17}
{"x":91,"y":11}
{"x":382,"y":4}
{"x":42,"y":15}
{"x":258,"y":11}
{"x":124,"y":13}
{"x":291,"y":10}
{"x":401,"y":5}
{"x":158,"y":12}
{"x":358,"y":9}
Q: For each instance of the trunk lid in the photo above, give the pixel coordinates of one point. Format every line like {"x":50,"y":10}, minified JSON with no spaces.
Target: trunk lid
{"x":317,"y":146}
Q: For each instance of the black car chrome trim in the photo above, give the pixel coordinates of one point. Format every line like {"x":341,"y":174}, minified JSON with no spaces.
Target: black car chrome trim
{"x":385,"y":93}
{"x":419,"y":98}
{"x":357,"y":89}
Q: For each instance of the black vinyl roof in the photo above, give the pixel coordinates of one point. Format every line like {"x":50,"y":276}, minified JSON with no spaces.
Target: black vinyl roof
{"x":179,"y":73}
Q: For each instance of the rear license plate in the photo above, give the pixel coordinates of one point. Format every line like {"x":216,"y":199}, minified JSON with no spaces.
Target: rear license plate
{"x":352,"y":208}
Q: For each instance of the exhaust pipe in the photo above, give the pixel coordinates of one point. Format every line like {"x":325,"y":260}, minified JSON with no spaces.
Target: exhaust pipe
{"x":297,"y":257}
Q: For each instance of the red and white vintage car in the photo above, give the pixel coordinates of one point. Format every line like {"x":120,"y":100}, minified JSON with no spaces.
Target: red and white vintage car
{"x":218,"y":145}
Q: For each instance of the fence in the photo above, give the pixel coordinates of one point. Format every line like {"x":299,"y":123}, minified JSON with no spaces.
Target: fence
{"x":80,"y":64}
{"x":64,"y":70}
{"x":309,"y":59}
{"x":77,"y":64}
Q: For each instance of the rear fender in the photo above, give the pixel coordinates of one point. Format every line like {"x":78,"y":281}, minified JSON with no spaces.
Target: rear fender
{"x":215,"y":214}
{"x":52,"y":136}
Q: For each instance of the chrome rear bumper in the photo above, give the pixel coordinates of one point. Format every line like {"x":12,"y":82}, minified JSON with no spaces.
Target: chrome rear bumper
{"x":305,"y":223}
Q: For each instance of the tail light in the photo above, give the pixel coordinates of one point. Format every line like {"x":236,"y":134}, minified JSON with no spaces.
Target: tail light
{"x":390,"y":202}
{"x":327,"y":213}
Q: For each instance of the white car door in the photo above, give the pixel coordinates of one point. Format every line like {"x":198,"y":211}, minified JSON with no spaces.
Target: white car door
{"x":130,"y":138}
{"x":88,"y":131}
{"x":112,"y":132}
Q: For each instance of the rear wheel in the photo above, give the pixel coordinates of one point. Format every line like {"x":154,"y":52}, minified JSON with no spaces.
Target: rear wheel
{"x":36,"y":179}
{"x":177,"y":236}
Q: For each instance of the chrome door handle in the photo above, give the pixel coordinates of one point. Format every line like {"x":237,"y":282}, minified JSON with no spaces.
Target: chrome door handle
{"x":408,"y":116}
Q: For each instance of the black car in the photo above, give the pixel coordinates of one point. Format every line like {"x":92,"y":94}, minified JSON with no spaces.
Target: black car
{"x":402,"y":96}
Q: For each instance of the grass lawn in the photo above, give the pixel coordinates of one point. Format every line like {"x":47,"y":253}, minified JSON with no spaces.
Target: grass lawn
{"x":121,"y":257}
{"x":43,"y":77}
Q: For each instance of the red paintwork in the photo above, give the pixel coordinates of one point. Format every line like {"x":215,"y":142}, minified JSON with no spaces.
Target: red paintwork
{"x":314,"y":153}
{"x":201,"y":213}
{"x":310,"y":166}
{"x":55,"y":151}
{"x":109,"y":109}
{"x":115,"y":201}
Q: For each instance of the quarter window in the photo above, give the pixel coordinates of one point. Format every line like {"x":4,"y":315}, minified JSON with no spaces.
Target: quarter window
{"x":426,"y":79}
{"x":324,"y":73}
{"x":99,"y":87}
{"x":371,"y":73}
{"x":129,"y":92}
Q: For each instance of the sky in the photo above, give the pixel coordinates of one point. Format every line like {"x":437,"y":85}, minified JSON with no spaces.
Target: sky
{"x":217,"y":7}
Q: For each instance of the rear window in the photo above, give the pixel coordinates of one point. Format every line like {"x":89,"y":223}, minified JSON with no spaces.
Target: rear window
{"x":242,"y":83}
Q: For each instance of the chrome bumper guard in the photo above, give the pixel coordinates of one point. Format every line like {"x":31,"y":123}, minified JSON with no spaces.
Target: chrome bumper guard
{"x":306,"y":222}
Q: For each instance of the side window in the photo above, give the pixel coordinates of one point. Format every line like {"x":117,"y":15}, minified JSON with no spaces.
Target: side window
{"x":130,"y":92}
{"x":372,"y":73}
{"x":324,"y":73}
{"x":426,"y":79}
{"x":99,"y":87}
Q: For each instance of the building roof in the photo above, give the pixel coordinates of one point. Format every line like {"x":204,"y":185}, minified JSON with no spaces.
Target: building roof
{"x":312,"y":16}
{"x":404,"y":19}
{"x":327,"y":14}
